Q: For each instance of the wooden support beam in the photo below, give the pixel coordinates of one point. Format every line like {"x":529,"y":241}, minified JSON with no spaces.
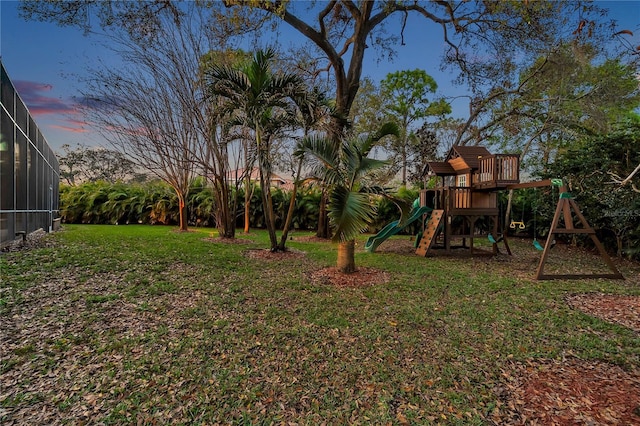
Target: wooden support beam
{"x":535,"y":184}
{"x":573,"y":231}
{"x":566,"y":206}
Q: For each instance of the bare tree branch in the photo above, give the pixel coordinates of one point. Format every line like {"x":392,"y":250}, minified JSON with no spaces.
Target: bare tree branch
{"x":622,"y":182}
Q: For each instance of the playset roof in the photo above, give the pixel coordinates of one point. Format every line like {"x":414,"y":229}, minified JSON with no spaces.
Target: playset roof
{"x":459,"y":159}
{"x":440,"y":168}
{"x":470,"y":154}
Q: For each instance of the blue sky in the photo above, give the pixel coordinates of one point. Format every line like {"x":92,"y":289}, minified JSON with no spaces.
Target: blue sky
{"x":43,"y":61}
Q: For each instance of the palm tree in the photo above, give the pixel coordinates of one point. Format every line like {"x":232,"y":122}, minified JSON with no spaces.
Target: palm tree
{"x":265,"y":102}
{"x":345,"y":168}
{"x":314,"y":111}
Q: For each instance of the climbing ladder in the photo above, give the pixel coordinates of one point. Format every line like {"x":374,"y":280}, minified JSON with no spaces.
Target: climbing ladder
{"x":430,"y":233}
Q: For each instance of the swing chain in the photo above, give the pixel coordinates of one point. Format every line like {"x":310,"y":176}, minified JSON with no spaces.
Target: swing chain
{"x":520,"y":224}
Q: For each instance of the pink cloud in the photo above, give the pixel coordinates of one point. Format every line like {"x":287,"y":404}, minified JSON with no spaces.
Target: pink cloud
{"x":77,"y":123}
{"x":70,"y":129}
{"x":33,"y":95}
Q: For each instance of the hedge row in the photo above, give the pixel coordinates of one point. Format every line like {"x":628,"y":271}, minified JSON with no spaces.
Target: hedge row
{"x":156,"y":203}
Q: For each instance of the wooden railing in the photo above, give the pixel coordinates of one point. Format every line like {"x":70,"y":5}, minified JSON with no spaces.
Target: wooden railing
{"x":499,"y":168}
{"x":459,"y":197}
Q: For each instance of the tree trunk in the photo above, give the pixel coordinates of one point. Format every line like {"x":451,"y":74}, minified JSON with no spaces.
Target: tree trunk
{"x":346,"y":256}
{"x":267,"y":205}
{"x":292,"y":205}
{"x":183,"y":211}
{"x":228,"y":216}
{"x":224,"y":212}
{"x":248,"y":190}
{"x":264,"y":169}
{"x":323,"y":219}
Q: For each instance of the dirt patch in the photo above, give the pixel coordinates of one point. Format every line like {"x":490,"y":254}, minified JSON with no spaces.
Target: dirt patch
{"x":398,"y":246}
{"x":34,"y":240}
{"x":569,"y":392}
{"x":363,"y":277}
{"x":266,"y":254}
{"x":619,"y":309}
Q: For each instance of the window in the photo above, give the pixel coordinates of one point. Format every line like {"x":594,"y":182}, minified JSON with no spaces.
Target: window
{"x":461,"y":180}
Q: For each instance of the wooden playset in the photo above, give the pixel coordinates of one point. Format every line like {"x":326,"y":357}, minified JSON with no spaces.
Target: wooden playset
{"x":466,"y":195}
{"x":465,"y":192}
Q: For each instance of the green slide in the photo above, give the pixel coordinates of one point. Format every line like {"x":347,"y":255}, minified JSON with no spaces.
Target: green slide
{"x":392,"y":229}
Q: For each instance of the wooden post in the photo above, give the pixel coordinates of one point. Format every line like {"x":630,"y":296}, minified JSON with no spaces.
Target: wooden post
{"x":566,"y":204}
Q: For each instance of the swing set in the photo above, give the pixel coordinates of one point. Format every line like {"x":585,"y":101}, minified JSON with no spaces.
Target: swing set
{"x":521,"y":225}
{"x":464,"y":200}
{"x":565,"y":211}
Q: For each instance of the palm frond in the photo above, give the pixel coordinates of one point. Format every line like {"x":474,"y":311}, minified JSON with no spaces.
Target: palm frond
{"x":350,"y":212}
{"x":403,"y":205}
{"x":387,"y":129}
{"x":321,"y":148}
{"x":366,"y":166}
{"x":226,"y":81}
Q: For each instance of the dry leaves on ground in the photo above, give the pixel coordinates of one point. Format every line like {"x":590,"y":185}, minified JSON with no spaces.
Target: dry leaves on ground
{"x":265,"y":254}
{"x":363,"y":277}
{"x":569,"y":392}
{"x":619,"y":309}
{"x":544,"y":392}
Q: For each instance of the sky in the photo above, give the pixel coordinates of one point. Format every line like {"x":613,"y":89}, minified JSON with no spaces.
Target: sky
{"x":44,"y":60}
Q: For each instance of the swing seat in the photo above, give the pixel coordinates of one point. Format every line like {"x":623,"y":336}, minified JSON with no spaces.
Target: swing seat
{"x":537,"y":245}
{"x":494,"y":240}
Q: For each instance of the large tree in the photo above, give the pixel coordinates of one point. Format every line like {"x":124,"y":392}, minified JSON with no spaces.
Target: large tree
{"x":404,"y":98}
{"x":147,"y":111}
{"x":85,"y":164}
{"x":265,"y":102}
{"x":486,"y":42}
{"x":154,"y":109}
{"x":563,"y":97}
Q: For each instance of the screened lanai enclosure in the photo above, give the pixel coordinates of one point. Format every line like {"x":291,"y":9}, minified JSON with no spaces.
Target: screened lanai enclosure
{"x":29,"y":170}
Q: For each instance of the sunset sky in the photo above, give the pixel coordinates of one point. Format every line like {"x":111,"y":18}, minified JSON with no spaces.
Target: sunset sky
{"x":43,"y":61}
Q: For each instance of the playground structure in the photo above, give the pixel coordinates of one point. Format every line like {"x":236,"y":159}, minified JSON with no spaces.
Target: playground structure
{"x":463,"y":206}
{"x":465,"y":193}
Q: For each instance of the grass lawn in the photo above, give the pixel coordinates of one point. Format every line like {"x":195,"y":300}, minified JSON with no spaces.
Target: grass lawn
{"x":145,"y":325}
